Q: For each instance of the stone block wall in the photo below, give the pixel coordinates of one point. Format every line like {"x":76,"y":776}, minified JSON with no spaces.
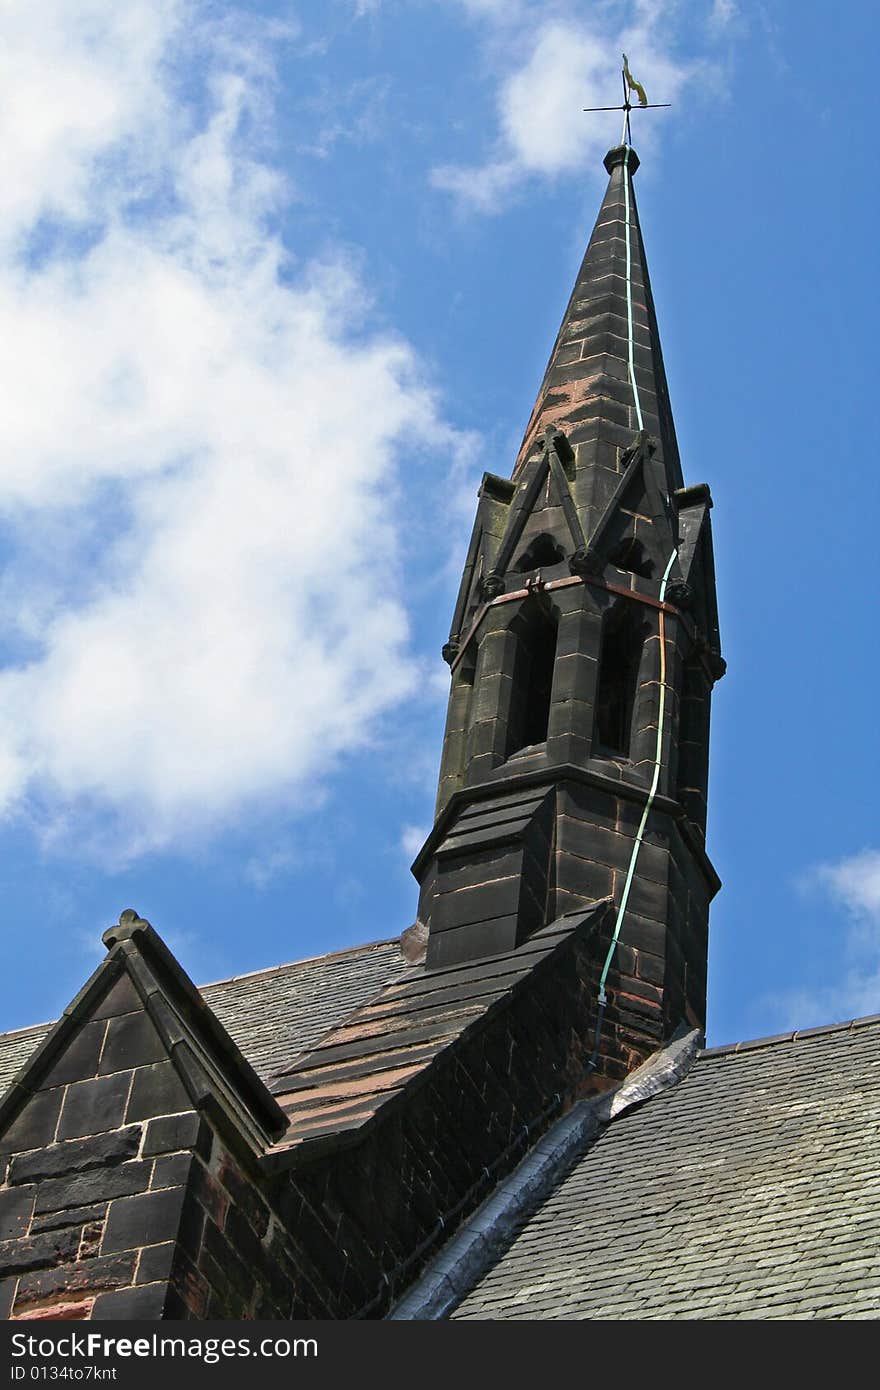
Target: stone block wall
{"x":93,"y":1173}
{"x":233,"y":1257}
{"x":363,"y":1220}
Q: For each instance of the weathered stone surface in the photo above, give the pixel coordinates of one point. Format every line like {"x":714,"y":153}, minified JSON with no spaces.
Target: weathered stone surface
{"x":132,"y":1041}
{"x":99,"y":1184}
{"x":76,"y":1155}
{"x":169,"y":1133}
{"x":35,"y":1123}
{"x":93,"y":1106}
{"x":31,"y":1252}
{"x":157,"y":1090}
{"x":70,"y":1216}
{"x":7,"y":1294}
{"x":244,"y":1193}
{"x":147,"y":1301}
{"x":16,"y":1206}
{"x":148,"y":1219}
{"x":85,"y":1276}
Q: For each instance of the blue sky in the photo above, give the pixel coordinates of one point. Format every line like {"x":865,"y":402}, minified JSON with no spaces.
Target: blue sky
{"x":277,"y":283}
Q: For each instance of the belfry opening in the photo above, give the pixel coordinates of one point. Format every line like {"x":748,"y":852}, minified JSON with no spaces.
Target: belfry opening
{"x":535,"y":631}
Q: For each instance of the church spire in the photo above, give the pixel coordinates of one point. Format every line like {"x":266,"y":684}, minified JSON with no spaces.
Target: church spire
{"x":605,"y":373}
{"x":583,"y":651}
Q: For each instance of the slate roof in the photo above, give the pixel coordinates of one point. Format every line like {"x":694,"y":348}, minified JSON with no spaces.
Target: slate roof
{"x":273,"y":1015}
{"x":16,"y":1048}
{"x":751,"y":1189}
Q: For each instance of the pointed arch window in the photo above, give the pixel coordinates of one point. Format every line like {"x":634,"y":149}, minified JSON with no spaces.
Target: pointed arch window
{"x":536,"y":631}
{"x":623,"y":637}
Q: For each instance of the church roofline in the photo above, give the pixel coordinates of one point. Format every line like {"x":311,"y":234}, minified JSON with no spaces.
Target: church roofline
{"x":850,"y":1025}
{"x":269,"y":970}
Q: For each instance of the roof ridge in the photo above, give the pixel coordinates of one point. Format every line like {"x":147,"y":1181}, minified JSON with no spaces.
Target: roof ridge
{"x":28,"y":1028}
{"x":13,"y":1033}
{"x":305,"y":960}
{"x":774,"y":1039}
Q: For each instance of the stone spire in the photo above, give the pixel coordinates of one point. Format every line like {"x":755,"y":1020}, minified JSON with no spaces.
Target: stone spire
{"x":587,"y":390}
{"x":583,"y":649}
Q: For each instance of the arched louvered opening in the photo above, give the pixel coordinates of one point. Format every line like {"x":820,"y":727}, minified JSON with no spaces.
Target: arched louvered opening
{"x":536,"y":631}
{"x":623,"y":637}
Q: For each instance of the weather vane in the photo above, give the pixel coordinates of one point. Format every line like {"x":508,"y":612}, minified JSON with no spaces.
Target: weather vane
{"x":630,"y":85}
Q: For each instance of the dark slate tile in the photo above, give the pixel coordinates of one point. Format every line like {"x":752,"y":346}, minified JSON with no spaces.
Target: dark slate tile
{"x":749,"y":1190}
{"x":83,"y":1276}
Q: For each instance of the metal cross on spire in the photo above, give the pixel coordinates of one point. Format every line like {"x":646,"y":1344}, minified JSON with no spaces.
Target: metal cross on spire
{"x":630,"y":86}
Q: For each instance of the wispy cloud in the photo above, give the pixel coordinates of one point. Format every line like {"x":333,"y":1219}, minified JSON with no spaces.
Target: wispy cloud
{"x":354,"y":115}
{"x":197,"y":490}
{"x":856,"y":883}
{"x":723,"y":14}
{"x":851,"y":884}
{"x":412,"y":837}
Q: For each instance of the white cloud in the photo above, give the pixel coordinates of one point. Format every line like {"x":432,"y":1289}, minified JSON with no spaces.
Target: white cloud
{"x":412,"y":837}
{"x":262,"y":869}
{"x":856,"y":883}
{"x":723,"y":14}
{"x":196,"y":483}
{"x":852,"y":883}
{"x":547,"y":70}
{"x":75,"y":80}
